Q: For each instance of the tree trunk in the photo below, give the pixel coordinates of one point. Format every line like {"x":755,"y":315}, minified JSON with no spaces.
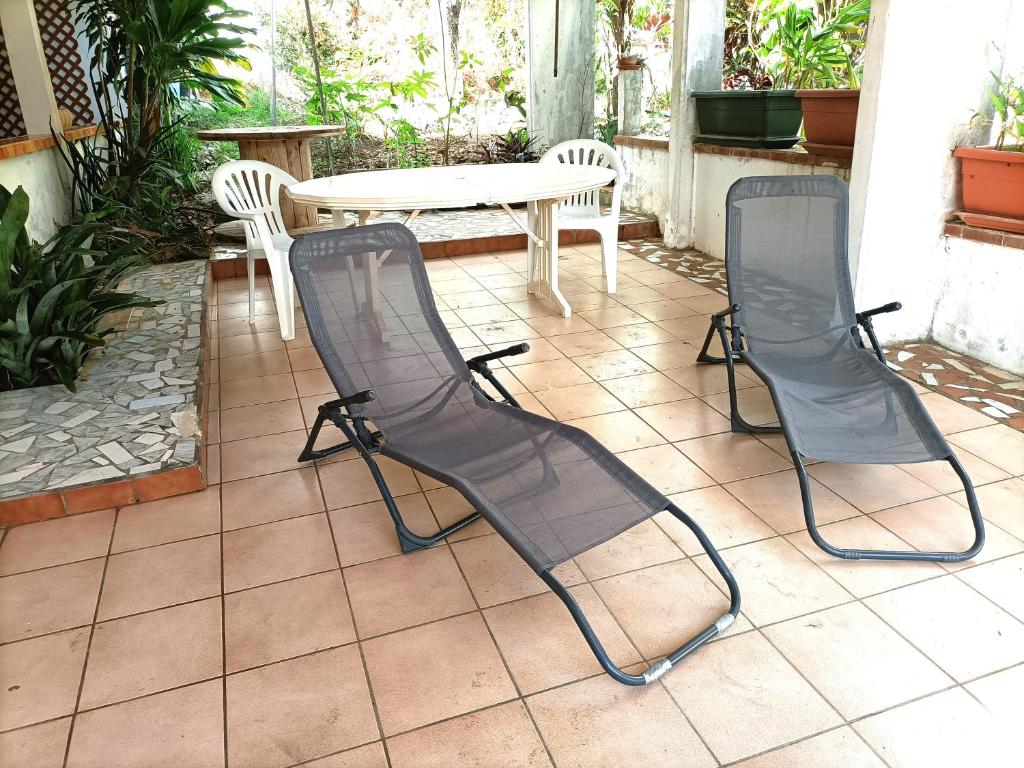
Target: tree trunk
{"x":319,"y":80}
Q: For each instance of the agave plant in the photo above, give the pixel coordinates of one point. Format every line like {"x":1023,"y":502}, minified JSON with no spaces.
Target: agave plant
{"x":516,"y":146}
{"x":53,"y":296}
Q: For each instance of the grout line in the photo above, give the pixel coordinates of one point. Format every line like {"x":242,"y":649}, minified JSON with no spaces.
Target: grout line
{"x":223,"y":629}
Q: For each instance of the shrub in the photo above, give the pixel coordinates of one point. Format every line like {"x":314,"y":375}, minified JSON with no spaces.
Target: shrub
{"x":54,"y":295}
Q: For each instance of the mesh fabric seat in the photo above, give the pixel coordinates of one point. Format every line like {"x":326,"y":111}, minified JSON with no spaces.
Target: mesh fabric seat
{"x":549,"y":489}
{"x":794,"y":323}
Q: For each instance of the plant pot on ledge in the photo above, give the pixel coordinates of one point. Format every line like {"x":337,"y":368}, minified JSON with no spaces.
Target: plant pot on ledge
{"x":830,"y":120}
{"x":757,"y":119}
{"x":993,"y":187}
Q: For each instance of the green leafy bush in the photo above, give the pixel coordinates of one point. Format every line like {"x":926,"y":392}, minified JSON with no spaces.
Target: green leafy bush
{"x":53,"y":295}
{"x":1007,"y":97}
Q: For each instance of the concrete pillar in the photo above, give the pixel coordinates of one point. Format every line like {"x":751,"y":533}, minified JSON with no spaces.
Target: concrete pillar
{"x":698,"y":38}
{"x":904,"y":179}
{"x":28,"y":64}
{"x":631,"y":101}
{"x":560,"y":106}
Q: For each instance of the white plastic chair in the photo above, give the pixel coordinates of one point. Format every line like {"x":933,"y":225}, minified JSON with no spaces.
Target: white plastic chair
{"x":583,"y":211}
{"x":251,"y":190}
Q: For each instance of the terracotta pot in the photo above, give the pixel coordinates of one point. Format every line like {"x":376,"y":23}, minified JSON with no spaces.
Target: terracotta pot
{"x":993,"y":181}
{"x":830,"y":120}
{"x":629,"y":63}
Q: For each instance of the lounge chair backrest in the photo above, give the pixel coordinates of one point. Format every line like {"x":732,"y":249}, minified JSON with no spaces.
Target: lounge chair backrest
{"x":787,"y":264}
{"x":373,"y":319}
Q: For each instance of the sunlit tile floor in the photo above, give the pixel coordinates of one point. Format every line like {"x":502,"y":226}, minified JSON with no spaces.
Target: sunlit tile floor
{"x":271,"y":621}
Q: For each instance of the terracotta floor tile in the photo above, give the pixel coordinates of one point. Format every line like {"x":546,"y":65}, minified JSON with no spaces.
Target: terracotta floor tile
{"x":347,"y":483}
{"x":663,"y":606}
{"x":855,"y":660}
{"x":727,"y":457}
{"x":941,"y":524}
{"x":541,"y":350}
{"x":959,"y":629}
{"x":265,"y":499}
{"x":726,"y":521}
{"x":839,"y":748}
{"x":496,"y":574}
{"x":1002,"y":503}
{"x":578,"y":401}
{"x":644,"y":334}
{"x":367,"y":756}
{"x":775,"y":498}
{"x":666,"y":468}
{"x":503,"y":735}
{"x":666,"y":356}
{"x":742,"y":679}
{"x":405,"y":590}
{"x":366,"y":531}
{"x":619,"y":431}
{"x":160,"y":576}
{"x":263,"y":419}
{"x":951,"y":416}
{"x":36,"y":746}
{"x":778,"y":582}
{"x":492,"y":313}
{"x":598,"y":722}
{"x":704,"y":380}
{"x":504,"y":332}
{"x":450,"y":506}
{"x":683,"y":419}
{"x":544,"y":647}
{"x":863,"y":577}
{"x":685,"y":288}
{"x":277,"y":551}
{"x":645,"y":389}
{"x":39,"y":677}
{"x":612,"y":365}
{"x":49,"y":600}
{"x":999,"y":444}
{"x":304,"y":359}
{"x":610,"y":317}
{"x":1001,"y":693}
{"x":436,"y":671}
{"x":299,"y":709}
{"x":287,"y":619}
{"x":250,"y":344}
{"x":634,"y":294}
{"x":640,"y":546}
{"x":176,"y":728}
{"x":941,"y":476}
{"x":947,"y":730}
{"x":55,"y":542}
{"x":662,"y":309}
{"x":264,"y":455}
{"x":262,"y":389}
{"x":1002,"y":582}
{"x":152,"y":652}
{"x":537,"y":377}
{"x":556,"y":325}
{"x":871,"y":487}
{"x":754,"y":403}
{"x":584,"y":343}
{"x":248,"y":366}
{"x":692,"y":328}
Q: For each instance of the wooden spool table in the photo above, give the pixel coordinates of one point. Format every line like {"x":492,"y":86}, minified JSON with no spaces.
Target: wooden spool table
{"x":287,"y":147}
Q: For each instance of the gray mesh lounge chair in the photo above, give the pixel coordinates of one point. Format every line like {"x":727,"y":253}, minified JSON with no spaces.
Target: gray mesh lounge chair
{"x":549,"y":489}
{"x":793,"y":322}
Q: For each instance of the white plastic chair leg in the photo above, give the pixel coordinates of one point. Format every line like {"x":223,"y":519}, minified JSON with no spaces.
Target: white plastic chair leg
{"x":609,"y":257}
{"x":531,"y":246}
{"x":250,"y":268}
{"x":284,"y":293}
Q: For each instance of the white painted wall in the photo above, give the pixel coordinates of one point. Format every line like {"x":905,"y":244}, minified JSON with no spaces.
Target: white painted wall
{"x":40,"y":174}
{"x":646,"y":189}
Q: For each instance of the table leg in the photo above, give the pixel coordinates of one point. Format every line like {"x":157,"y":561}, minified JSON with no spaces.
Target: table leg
{"x":545,"y":273}
{"x":552,"y":243}
{"x":337,"y":218}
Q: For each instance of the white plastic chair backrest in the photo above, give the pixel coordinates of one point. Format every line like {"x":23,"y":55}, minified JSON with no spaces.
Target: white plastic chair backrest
{"x":251,"y":190}
{"x":589,"y":152}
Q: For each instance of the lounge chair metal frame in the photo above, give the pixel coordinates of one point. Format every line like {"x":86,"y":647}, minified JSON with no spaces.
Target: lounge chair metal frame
{"x":731,"y":336}
{"x":360,"y":435}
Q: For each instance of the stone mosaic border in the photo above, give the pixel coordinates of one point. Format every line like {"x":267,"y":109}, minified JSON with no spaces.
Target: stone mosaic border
{"x":994,"y":392}
{"x":132,"y":431}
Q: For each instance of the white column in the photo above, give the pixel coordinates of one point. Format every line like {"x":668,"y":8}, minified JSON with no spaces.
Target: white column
{"x":28,"y":64}
{"x":631,"y":101}
{"x":698,"y":38}
{"x":560,"y":106}
{"x":925,"y":75}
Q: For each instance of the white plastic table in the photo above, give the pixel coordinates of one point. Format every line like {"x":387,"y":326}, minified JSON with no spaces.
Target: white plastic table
{"x":458,"y":186}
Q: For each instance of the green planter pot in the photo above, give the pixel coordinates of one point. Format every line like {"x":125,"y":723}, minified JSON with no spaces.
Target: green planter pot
{"x":764,"y":119}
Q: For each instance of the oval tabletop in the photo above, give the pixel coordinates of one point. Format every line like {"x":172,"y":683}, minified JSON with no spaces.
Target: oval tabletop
{"x":271,"y":133}
{"x":449,"y":187}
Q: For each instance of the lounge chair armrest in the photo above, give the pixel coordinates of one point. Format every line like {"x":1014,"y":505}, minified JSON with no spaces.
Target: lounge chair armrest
{"x":479,"y":363}
{"x":366,"y":396}
{"x":731,"y":310}
{"x":892,"y":306}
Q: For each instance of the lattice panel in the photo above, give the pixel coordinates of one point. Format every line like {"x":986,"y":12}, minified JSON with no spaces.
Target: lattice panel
{"x":11,"y":122}
{"x":57,"y":31}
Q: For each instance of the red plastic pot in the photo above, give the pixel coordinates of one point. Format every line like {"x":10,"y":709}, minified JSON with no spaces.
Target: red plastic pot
{"x":830,"y":120}
{"x":993,"y":181}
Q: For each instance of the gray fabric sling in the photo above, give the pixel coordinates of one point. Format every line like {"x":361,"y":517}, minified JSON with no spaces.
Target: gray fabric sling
{"x":550,"y":489}
{"x":788,"y":270}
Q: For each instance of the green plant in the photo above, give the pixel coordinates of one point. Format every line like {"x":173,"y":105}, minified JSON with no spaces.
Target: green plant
{"x":1007,"y":97}
{"x":811,"y":45}
{"x":54,"y":295}
{"x":516,"y":146}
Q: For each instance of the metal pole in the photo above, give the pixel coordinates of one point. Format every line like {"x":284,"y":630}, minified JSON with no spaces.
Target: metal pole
{"x":273,"y":64}
{"x":319,"y":80}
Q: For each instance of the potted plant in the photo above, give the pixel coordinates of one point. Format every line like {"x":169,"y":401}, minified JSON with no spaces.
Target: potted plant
{"x":783,"y":45}
{"x":993,"y":176}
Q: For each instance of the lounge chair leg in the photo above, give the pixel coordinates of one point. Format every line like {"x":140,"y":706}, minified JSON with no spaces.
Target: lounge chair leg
{"x":324,"y":413}
{"x":661,"y":666}
{"x":881,"y":554}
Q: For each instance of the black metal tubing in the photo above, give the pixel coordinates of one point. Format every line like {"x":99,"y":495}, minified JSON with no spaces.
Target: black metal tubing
{"x":737,"y":422}
{"x":882,"y":554}
{"x":479,"y":365}
{"x":660,"y":667}
{"x":864,"y":320}
{"x":331,"y":411}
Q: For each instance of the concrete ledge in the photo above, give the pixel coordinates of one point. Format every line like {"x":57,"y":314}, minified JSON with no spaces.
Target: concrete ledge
{"x":641,"y":142}
{"x":795,"y":156}
{"x":983,"y":235}
{"x":25,"y":145}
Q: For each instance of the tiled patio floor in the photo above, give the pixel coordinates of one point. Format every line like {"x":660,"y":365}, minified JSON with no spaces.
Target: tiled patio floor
{"x":271,"y":620}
